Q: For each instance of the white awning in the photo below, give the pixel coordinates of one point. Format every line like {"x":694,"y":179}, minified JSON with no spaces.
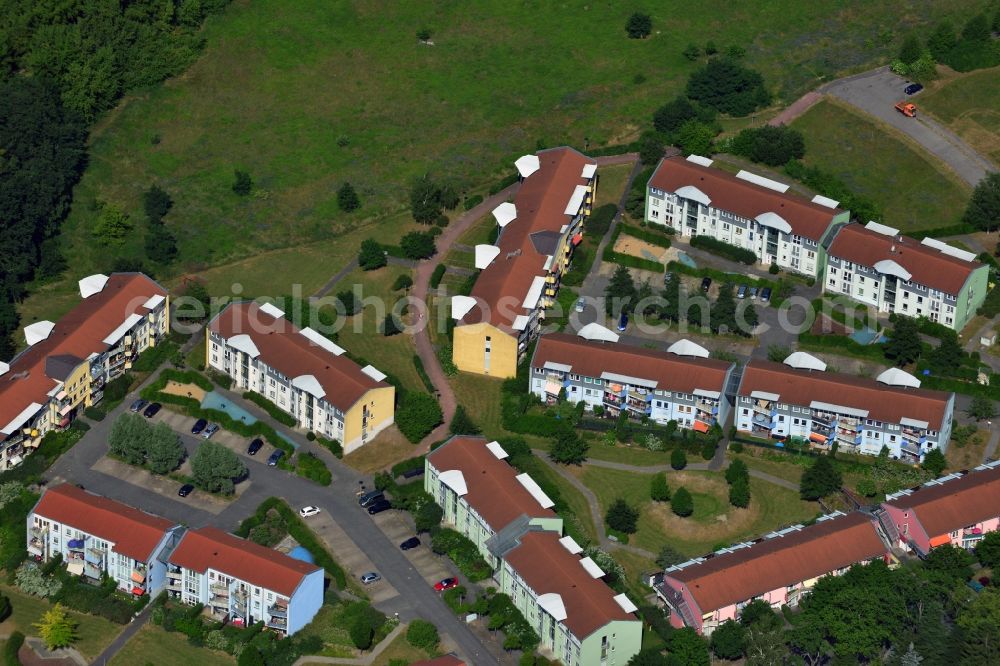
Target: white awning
{"x":914,"y":423}
{"x":21,"y":418}
{"x":35,"y":333}
{"x":75,"y":568}
{"x":881,"y":229}
{"x":455,"y":480}
{"x":592,"y":568}
{"x":890,"y":267}
{"x":505,"y":213}
{"x":34,"y":550}
{"x":534,"y":293}
{"x":825,"y":201}
{"x":774,"y":221}
{"x":594,"y":331}
{"x":485,"y":254}
{"x":694,"y":194}
{"x":688,"y":348}
{"x":804,"y":361}
{"x":4,"y":368}
{"x":460,"y":306}
{"x":707,"y":394}
{"x":310,"y":385}
{"x":520,"y":322}
{"x":625,"y":603}
{"x":897,"y":377}
{"x":527,"y":165}
{"x":244,"y":343}
{"x":764,"y":395}
{"x":571,"y":545}
{"x":552,"y":604}
{"x":589,"y":170}
{"x":535,"y":490}
{"x":840,"y":409}
{"x":559,"y":367}
{"x":273,"y":310}
{"x":92,"y":284}
{"x":625,"y":379}
{"x":751,"y":177}
{"x":125,"y":327}
{"x":153,"y":302}
{"x":950,"y":250}
{"x":576,"y":200}
{"x":698,"y":159}
{"x":373,"y":372}
{"x":497,"y":450}
{"x":547,"y":264}
{"x":321,"y":340}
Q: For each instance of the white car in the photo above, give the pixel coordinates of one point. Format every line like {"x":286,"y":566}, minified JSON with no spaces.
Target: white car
{"x":309,"y":511}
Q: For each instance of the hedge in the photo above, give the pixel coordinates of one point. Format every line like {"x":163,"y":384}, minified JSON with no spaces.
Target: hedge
{"x":272,"y":409}
{"x":724,"y":250}
{"x":617,"y":149}
{"x":463,"y":552}
{"x":438,"y":275}
{"x":332,"y":445}
{"x":949,"y":230}
{"x":298,"y":531}
{"x":11,"y":648}
{"x":653,"y":237}
{"x":310,"y":467}
{"x":473,"y":201}
{"x":422,"y":373}
{"x":95,"y":413}
{"x":408,"y":465}
{"x":627,"y":260}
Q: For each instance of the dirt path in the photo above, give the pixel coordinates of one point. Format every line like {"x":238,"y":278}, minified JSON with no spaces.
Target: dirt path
{"x":796,"y":109}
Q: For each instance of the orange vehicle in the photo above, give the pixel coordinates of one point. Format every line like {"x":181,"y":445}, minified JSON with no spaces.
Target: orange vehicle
{"x":907,"y":109}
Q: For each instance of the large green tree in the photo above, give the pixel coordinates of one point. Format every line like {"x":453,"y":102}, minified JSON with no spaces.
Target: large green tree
{"x":681,"y":503}
{"x":622,"y":517}
{"x":980,"y":624}
{"x":619,"y":295}
{"x":127,"y":439}
{"x":983,"y":210}
{"x":729,"y":640}
{"x":821,"y":479}
{"x":164,"y":451}
{"x":371,"y":256}
{"x":569,"y":448}
{"x":728,"y":87}
{"x":988,"y":551}
{"x":215,"y":468}
{"x":904,"y":344}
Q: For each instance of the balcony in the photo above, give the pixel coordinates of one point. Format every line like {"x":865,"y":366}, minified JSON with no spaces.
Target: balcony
{"x":279,"y":623}
{"x":92,"y":571}
{"x":278,"y":610}
{"x":94,"y":556}
{"x":707,"y":407}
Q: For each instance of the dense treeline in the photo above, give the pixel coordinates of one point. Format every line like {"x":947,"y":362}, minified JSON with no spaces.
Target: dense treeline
{"x":63,"y":62}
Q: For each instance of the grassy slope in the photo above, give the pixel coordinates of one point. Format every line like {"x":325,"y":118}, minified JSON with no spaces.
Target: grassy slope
{"x":154,"y":645}
{"x":911,"y":189}
{"x":93,"y":633}
{"x":969,"y":103}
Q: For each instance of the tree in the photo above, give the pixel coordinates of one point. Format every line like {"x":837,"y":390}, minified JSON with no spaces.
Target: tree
{"x":164,"y":450}
{"x":669,"y":117}
{"x":56,"y":627}
{"x":934,"y":462}
{"x":250,"y":656}
{"x":950,"y":562}
{"x":390,"y":326}
{"x":242,"y":183}
{"x":774,"y":146}
{"x":156,"y":203}
{"x":462,"y":423}
{"x":729,"y":640}
{"x":648,"y":657}
{"x":981,"y":408}
{"x":911,"y":49}
{"x":821,"y":479}
{"x":687,"y":648}
{"x":758,"y":613}
{"x":739,"y":493}
{"x":371,"y":256}
{"x":422,"y":634}
{"x":215,"y":468}
{"x":695,"y":138}
{"x":678,"y":459}
{"x":112,"y":225}
{"x":682,"y":503}
{"x":569,"y":448}
{"x":403,"y":281}
{"x":942,"y":40}
{"x":983,"y":210}
{"x":904,"y":344}
{"x":425,"y":201}
{"x":691,"y":52}
{"x":650,"y":147}
{"x":417,"y":415}
{"x":722,"y":318}
{"x":620,"y":293}
{"x":347,"y":198}
{"x":977,"y":29}
{"x":728,"y":87}
{"x":160,"y":244}
{"x":736,"y":471}
{"x":352,"y":305}
{"x":639,"y":26}
{"x":980,"y":624}
{"x":668,"y":556}
{"x":428,"y":516}
{"x":361,"y":631}
{"x":417,"y":245}
{"x":659,"y":491}
{"x":622,"y":517}
{"x":988,"y":551}
{"x":127,"y":439}
{"x":948,"y":355}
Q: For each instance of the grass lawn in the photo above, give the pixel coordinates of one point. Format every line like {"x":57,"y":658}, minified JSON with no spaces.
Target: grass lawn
{"x":612,"y":183}
{"x":714,"y":521}
{"x":196,"y":357}
{"x":970,"y":105}
{"x":154,"y":645}
{"x":635,"y":565}
{"x":400,"y":650}
{"x":384,"y":451}
{"x":460,"y":259}
{"x":970,"y":455}
{"x":481,"y":231}
{"x":914,"y":190}
{"x":776,"y":464}
{"x":93,"y":633}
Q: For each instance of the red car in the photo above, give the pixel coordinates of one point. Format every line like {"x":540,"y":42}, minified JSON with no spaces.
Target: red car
{"x":446,"y":584}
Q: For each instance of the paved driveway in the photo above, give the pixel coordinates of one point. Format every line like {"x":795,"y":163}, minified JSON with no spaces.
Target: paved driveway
{"x":878,"y":91}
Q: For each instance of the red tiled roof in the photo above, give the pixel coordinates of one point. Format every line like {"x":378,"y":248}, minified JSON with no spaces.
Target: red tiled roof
{"x":211,"y":548}
{"x":727,"y":192}
{"x":951,"y":505}
{"x":494,"y":492}
{"x":884,"y":403}
{"x":777,"y":562}
{"x":540,"y":202}
{"x":928,"y":266}
{"x":134,"y":533}
{"x":547,"y":567}
{"x":671,"y":372}
{"x":283,"y":348}
{"x":79,"y":333}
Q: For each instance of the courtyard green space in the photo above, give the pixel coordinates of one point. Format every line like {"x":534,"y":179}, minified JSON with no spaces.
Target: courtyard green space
{"x":93,"y":633}
{"x":168,"y":649}
{"x":970,"y":105}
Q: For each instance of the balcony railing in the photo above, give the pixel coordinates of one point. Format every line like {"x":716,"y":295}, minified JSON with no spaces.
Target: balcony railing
{"x":278,"y":610}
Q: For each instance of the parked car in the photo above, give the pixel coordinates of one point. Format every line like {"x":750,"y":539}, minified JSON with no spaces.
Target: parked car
{"x":742,"y":291}
{"x":272,"y":461}
{"x":623,"y":322}
{"x":309,"y":511}
{"x":410,"y":543}
{"x":753,"y":292}
{"x":198,"y":426}
{"x":445,"y":584}
{"x":913,"y":89}
{"x":151,"y":410}
{"x":185,"y":490}
{"x":255,"y":446}
{"x":370,"y":577}
{"x":210,"y":430}
{"x":138,"y":405}
{"x":379,"y":505}
{"x":706,"y":283}
{"x":765,"y":294}
{"x":367,"y":499}
{"x":581,"y":303}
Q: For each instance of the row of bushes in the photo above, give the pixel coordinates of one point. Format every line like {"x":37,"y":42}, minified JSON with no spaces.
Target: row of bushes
{"x":437,"y":275}
{"x":310,"y":467}
{"x":650,"y":234}
{"x":272,"y":409}
{"x":332,"y":445}
{"x":724,"y":250}
{"x":300,"y":532}
{"x":422,"y":373}
{"x":627,"y":260}
{"x":408,"y":465}
{"x":463,"y":552}
{"x":11,"y":648}
{"x":502,"y":614}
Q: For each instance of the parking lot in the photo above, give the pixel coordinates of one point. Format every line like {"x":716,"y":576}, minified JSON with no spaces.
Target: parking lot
{"x":397,"y":526}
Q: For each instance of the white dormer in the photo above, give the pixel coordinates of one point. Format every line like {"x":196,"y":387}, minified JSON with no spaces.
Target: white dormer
{"x":92,"y":284}
{"x":35,"y":333}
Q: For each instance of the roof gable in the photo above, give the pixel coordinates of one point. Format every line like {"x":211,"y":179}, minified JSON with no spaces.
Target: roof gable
{"x":945,"y":506}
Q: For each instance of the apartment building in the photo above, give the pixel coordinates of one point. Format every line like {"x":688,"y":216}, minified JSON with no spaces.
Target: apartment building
{"x":301,"y":371}
{"x":242,"y":582}
{"x":875,"y":265}
{"x":483,"y":497}
{"x":681,"y":384}
{"x":96,"y":536}
{"x":745,"y":210}
{"x":958,"y":509}
{"x":67,"y":363}
{"x":798,"y":399}
{"x":520,"y":275}
{"x":580,"y":620}
{"x":779,"y":568}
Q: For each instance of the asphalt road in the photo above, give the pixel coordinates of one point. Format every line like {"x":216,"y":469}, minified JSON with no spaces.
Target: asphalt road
{"x":877,"y":92}
{"x":416,"y":597}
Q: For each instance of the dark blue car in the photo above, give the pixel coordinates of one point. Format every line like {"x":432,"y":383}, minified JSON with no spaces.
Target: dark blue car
{"x":272,"y":461}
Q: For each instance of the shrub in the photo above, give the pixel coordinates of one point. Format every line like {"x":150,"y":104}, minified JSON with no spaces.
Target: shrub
{"x":463,"y":552}
{"x":422,"y":634}
{"x":472,"y":202}
{"x":11,"y":648}
{"x":725,"y":250}
{"x":361,"y":633}
{"x":659,"y":491}
{"x":403,"y":281}
{"x":417,"y":245}
{"x":272,"y":409}
{"x":437,"y":275}
{"x":95,"y":413}
{"x":417,"y":415}
{"x":728,"y":87}
{"x":622,"y":517}
{"x":639,"y":26}
{"x":770,"y":145}
{"x":372,"y":255}
{"x":708,"y":450}
{"x":242,"y":183}
{"x":682,"y":503}
{"x":314,"y":469}
{"x":347,"y":198}
{"x":678,"y":459}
